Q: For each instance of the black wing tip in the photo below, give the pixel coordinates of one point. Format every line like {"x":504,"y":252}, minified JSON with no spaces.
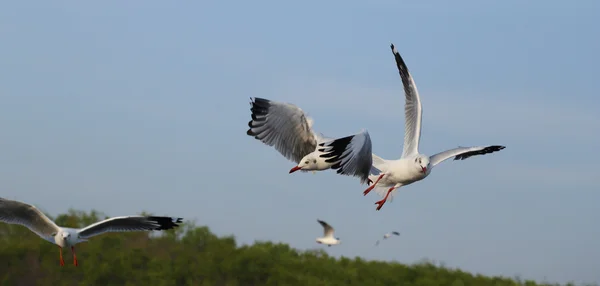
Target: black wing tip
{"x":259,"y":107}
{"x":393,"y":48}
{"x":337,"y":149}
{"x":335,"y":154}
{"x":260,"y":100}
{"x":486,"y":150}
{"x":166,"y":222}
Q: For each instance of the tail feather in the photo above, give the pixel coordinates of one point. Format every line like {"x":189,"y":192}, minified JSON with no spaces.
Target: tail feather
{"x":377,"y":160}
{"x":382,"y":191}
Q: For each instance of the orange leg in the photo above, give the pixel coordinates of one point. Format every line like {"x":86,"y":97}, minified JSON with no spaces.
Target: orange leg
{"x":74,"y":256}
{"x":380,"y":203}
{"x":373,"y":185}
{"x":62,"y":261}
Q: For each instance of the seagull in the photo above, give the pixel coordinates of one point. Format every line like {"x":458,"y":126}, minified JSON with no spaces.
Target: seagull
{"x":285,"y":127}
{"x":389,"y":175}
{"x":328,"y":237}
{"x":15,"y":212}
{"x":387,"y":235}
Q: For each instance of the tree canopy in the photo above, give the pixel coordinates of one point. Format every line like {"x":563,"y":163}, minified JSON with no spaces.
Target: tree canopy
{"x":192,"y":255}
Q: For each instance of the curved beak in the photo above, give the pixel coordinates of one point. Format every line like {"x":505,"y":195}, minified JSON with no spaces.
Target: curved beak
{"x":295,"y":169}
{"x":424,"y":169}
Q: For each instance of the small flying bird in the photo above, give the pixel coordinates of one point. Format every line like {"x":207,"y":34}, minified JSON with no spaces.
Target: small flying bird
{"x":389,"y":175}
{"x":328,"y":236}
{"x":15,"y":212}
{"x":285,"y":127}
{"x":387,"y":235}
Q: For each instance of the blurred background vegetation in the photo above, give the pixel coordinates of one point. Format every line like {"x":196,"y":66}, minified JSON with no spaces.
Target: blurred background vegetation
{"x":192,"y":255}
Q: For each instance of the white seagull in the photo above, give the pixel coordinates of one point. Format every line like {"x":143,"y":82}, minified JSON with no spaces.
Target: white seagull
{"x":328,"y":236}
{"x":387,"y":235}
{"x":412,"y":165}
{"x":285,"y":127}
{"x":15,"y":212}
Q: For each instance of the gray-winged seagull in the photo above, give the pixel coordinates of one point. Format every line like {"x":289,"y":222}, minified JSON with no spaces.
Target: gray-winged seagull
{"x":15,"y":212}
{"x":389,"y":175}
{"x":328,"y":235}
{"x":285,"y":127}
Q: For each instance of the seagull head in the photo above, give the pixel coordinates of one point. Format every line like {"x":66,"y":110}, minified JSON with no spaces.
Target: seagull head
{"x":308,"y":163}
{"x":65,"y":235}
{"x":422,"y":163}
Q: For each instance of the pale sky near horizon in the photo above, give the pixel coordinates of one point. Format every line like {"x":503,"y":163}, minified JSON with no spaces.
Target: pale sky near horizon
{"x":137,"y":106}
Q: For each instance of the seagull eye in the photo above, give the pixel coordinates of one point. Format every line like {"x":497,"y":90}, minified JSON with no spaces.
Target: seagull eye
{"x":306,"y":162}
{"x":315,"y":161}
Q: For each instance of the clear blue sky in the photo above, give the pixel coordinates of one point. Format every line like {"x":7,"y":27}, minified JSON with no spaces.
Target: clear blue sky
{"x":130,"y":106}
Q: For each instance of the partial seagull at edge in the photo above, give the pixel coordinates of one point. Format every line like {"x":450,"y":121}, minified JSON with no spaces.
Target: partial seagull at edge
{"x":15,"y":212}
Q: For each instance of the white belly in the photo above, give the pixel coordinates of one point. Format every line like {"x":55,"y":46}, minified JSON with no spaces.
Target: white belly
{"x":327,"y":240}
{"x":397,"y":174}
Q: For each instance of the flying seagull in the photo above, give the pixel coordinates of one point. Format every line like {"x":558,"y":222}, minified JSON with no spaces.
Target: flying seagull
{"x":387,"y":235}
{"x":389,"y":175}
{"x":285,"y":127}
{"x":15,"y":212}
{"x":328,"y":236}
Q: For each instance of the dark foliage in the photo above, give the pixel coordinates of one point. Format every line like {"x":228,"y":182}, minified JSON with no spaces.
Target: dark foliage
{"x":192,"y":255}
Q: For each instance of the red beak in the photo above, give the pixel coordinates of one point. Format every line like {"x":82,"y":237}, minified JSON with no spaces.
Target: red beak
{"x":424,"y":169}
{"x":295,"y":169}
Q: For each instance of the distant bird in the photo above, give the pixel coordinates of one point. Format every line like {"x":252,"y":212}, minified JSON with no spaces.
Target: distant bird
{"x":15,"y":212}
{"x":328,"y":236}
{"x":387,"y":235}
{"x":285,"y":127}
{"x":389,"y":175}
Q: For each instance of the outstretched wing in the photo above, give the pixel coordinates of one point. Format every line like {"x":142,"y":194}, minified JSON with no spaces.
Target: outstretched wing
{"x":15,"y":212}
{"x":327,"y":229}
{"x":351,"y":154}
{"x":283,"y":126}
{"x":395,"y":232}
{"x":412,"y":108}
{"x":462,"y":153}
{"x":129,"y":223}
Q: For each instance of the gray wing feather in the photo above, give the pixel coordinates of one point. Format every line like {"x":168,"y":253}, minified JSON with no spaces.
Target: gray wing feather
{"x":129,"y":223}
{"x":15,"y":212}
{"x":351,"y":154}
{"x":413,"y":110}
{"x":283,"y":126}
{"x":462,"y":153}
{"x":327,"y":229}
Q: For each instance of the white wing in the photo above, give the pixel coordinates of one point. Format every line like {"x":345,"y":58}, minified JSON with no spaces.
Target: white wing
{"x":283,"y":126}
{"x":412,"y":108}
{"x":327,"y":229}
{"x":16,"y":212}
{"x":462,"y":153}
{"x":129,"y":223}
{"x":352,"y":154}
